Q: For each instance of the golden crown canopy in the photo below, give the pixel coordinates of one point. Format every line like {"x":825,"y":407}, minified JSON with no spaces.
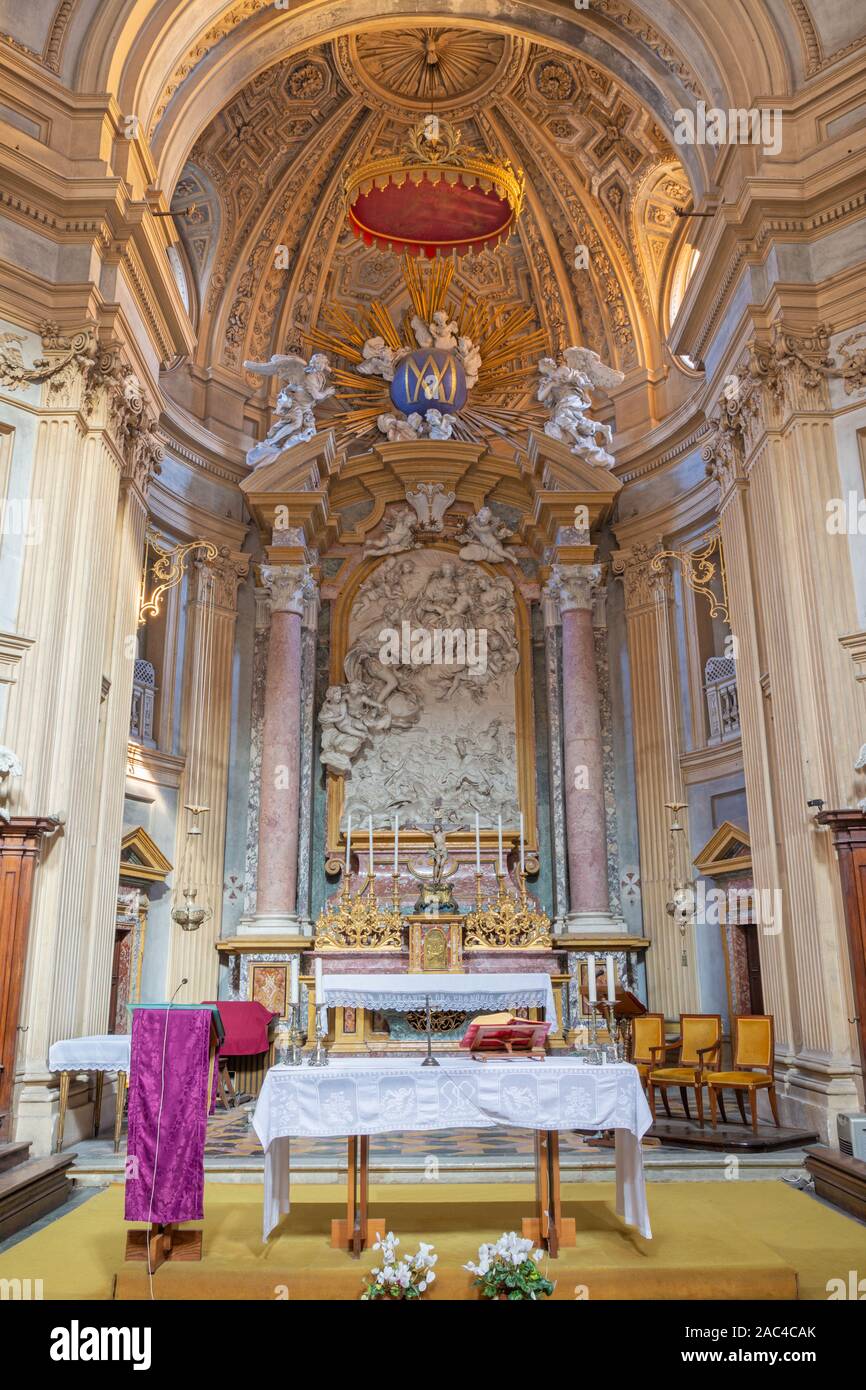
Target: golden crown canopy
{"x":434,"y":198}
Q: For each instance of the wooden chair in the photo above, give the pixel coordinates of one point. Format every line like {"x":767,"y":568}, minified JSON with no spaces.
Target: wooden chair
{"x":752,"y":1068}
{"x":700,"y":1049}
{"x":647,"y":1032}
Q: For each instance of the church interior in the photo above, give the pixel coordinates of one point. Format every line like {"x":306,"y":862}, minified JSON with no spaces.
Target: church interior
{"x":433,"y":650}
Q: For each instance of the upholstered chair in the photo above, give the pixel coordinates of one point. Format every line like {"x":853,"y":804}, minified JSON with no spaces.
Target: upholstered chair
{"x":752,"y":1069}
{"x":699,"y":1053}
{"x":647,"y":1032}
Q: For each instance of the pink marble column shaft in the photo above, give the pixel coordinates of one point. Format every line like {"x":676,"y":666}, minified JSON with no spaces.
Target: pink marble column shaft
{"x":583,"y":769}
{"x":279,"y":781}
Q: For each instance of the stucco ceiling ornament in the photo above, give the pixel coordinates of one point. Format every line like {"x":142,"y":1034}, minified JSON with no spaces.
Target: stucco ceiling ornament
{"x":564,"y":389}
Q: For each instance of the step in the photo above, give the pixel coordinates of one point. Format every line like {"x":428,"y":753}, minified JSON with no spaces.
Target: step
{"x":32,"y":1189}
{"x":11,"y":1154}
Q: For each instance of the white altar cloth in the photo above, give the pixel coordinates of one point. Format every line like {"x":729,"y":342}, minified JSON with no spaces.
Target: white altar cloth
{"x":471,"y":993}
{"x":373,"y":1095}
{"x":102,"y":1052}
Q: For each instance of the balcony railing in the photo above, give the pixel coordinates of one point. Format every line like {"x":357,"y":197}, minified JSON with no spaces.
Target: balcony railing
{"x":723,"y":706}
{"x":143,"y":702}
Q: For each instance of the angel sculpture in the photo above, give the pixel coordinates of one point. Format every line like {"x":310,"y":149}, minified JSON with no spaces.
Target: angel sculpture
{"x":397,"y":427}
{"x":439,"y":426}
{"x":482,"y":536}
{"x":565,"y":390}
{"x":439,"y":333}
{"x":348,"y":718}
{"x":470,"y":356}
{"x":860,"y":766}
{"x":379,"y":359}
{"x":305,"y":385}
{"x":10,"y":766}
{"x":399,"y":535}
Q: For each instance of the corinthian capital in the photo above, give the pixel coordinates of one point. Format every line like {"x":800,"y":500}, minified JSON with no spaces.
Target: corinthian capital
{"x":646,"y":577}
{"x":288,"y":586}
{"x":575,"y":586}
{"x":218,"y":579}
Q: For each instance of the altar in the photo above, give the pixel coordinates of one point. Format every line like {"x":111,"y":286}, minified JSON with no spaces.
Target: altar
{"x":359,"y":1097}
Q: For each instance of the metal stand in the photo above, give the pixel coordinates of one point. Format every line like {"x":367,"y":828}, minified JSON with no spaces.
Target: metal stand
{"x":319,"y":1055}
{"x":429,"y":1060}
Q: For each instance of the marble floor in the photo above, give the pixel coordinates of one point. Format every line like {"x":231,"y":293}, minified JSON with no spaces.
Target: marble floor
{"x":233,"y":1154}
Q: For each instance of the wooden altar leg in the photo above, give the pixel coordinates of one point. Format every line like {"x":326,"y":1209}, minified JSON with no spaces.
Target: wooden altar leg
{"x":65,"y":1078}
{"x":548,"y":1227}
{"x":356,"y":1232}
{"x":118,"y":1114}
{"x":97,"y":1102}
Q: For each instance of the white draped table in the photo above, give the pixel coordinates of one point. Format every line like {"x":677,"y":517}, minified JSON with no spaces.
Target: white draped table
{"x":360,"y":1096}
{"x":102,"y":1053}
{"x":470,"y":992}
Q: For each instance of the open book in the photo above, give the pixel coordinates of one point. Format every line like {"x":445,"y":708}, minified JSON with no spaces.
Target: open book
{"x":505,"y":1036}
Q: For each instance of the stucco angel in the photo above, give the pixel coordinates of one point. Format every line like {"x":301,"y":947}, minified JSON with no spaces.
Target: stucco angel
{"x":399,"y":534}
{"x":304,"y":386}
{"x":470,"y":356}
{"x":860,"y":766}
{"x":482,"y":536}
{"x":440,"y":332}
{"x":564,"y":388}
{"x":10,"y":766}
{"x":438,"y":425}
{"x":397,"y":427}
{"x":379,"y":359}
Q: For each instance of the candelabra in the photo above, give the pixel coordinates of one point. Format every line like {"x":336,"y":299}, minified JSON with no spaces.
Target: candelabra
{"x":319,"y":1055}
{"x":290,"y":1039}
{"x":512,"y":920}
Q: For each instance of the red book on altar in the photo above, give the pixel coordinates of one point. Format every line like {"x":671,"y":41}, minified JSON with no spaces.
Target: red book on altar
{"x":503,"y":1036}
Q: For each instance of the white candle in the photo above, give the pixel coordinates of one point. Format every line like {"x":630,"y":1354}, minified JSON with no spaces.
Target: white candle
{"x":522,"y":855}
{"x":396,"y":841}
{"x":590,"y":979}
{"x":370,"y":829}
{"x":501,"y":869}
{"x":295,"y":984}
{"x":317,"y":972}
{"x":611,"y":981}
{"x":348,"y":842}
{"x":477,"y":844}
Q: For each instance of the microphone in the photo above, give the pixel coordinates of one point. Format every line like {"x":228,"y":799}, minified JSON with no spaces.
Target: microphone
{"x":183,"y":982}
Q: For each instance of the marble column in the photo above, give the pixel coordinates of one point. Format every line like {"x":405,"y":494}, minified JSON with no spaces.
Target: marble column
{"x":279,"y":784}
{"x":655,"y":685}
{"x":583,"y":753}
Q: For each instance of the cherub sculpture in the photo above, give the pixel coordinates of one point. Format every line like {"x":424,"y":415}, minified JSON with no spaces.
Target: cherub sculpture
{"x":470,"y":356}
{"x":564,"y":389}
{"x":305,"y":386}
{"x":482,"y":536}
{"x":379,"y":359}
{"x":348,"y":718}
{"x":437,"y":425}
{"x":397,"y":427}
{"x":440,"y":333}
{"x":399,"y":535}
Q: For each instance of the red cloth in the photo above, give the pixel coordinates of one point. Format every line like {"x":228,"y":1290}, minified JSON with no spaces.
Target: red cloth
{"x":246,"y":1026}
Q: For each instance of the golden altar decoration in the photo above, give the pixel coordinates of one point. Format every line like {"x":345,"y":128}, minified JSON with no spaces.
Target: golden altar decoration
{"x":357,"y":922}
{"x":510,"y":922}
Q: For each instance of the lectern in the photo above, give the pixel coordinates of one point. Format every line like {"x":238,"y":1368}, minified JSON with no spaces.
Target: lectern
{"x":171,"y":1078}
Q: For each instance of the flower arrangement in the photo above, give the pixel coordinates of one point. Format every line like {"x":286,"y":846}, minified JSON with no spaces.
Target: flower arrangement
{"x":509,"y":1269}
{"x":408,"y":1276}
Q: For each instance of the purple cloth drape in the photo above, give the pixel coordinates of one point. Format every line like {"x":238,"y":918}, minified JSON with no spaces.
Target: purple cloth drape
{"x":175,"y":1176}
